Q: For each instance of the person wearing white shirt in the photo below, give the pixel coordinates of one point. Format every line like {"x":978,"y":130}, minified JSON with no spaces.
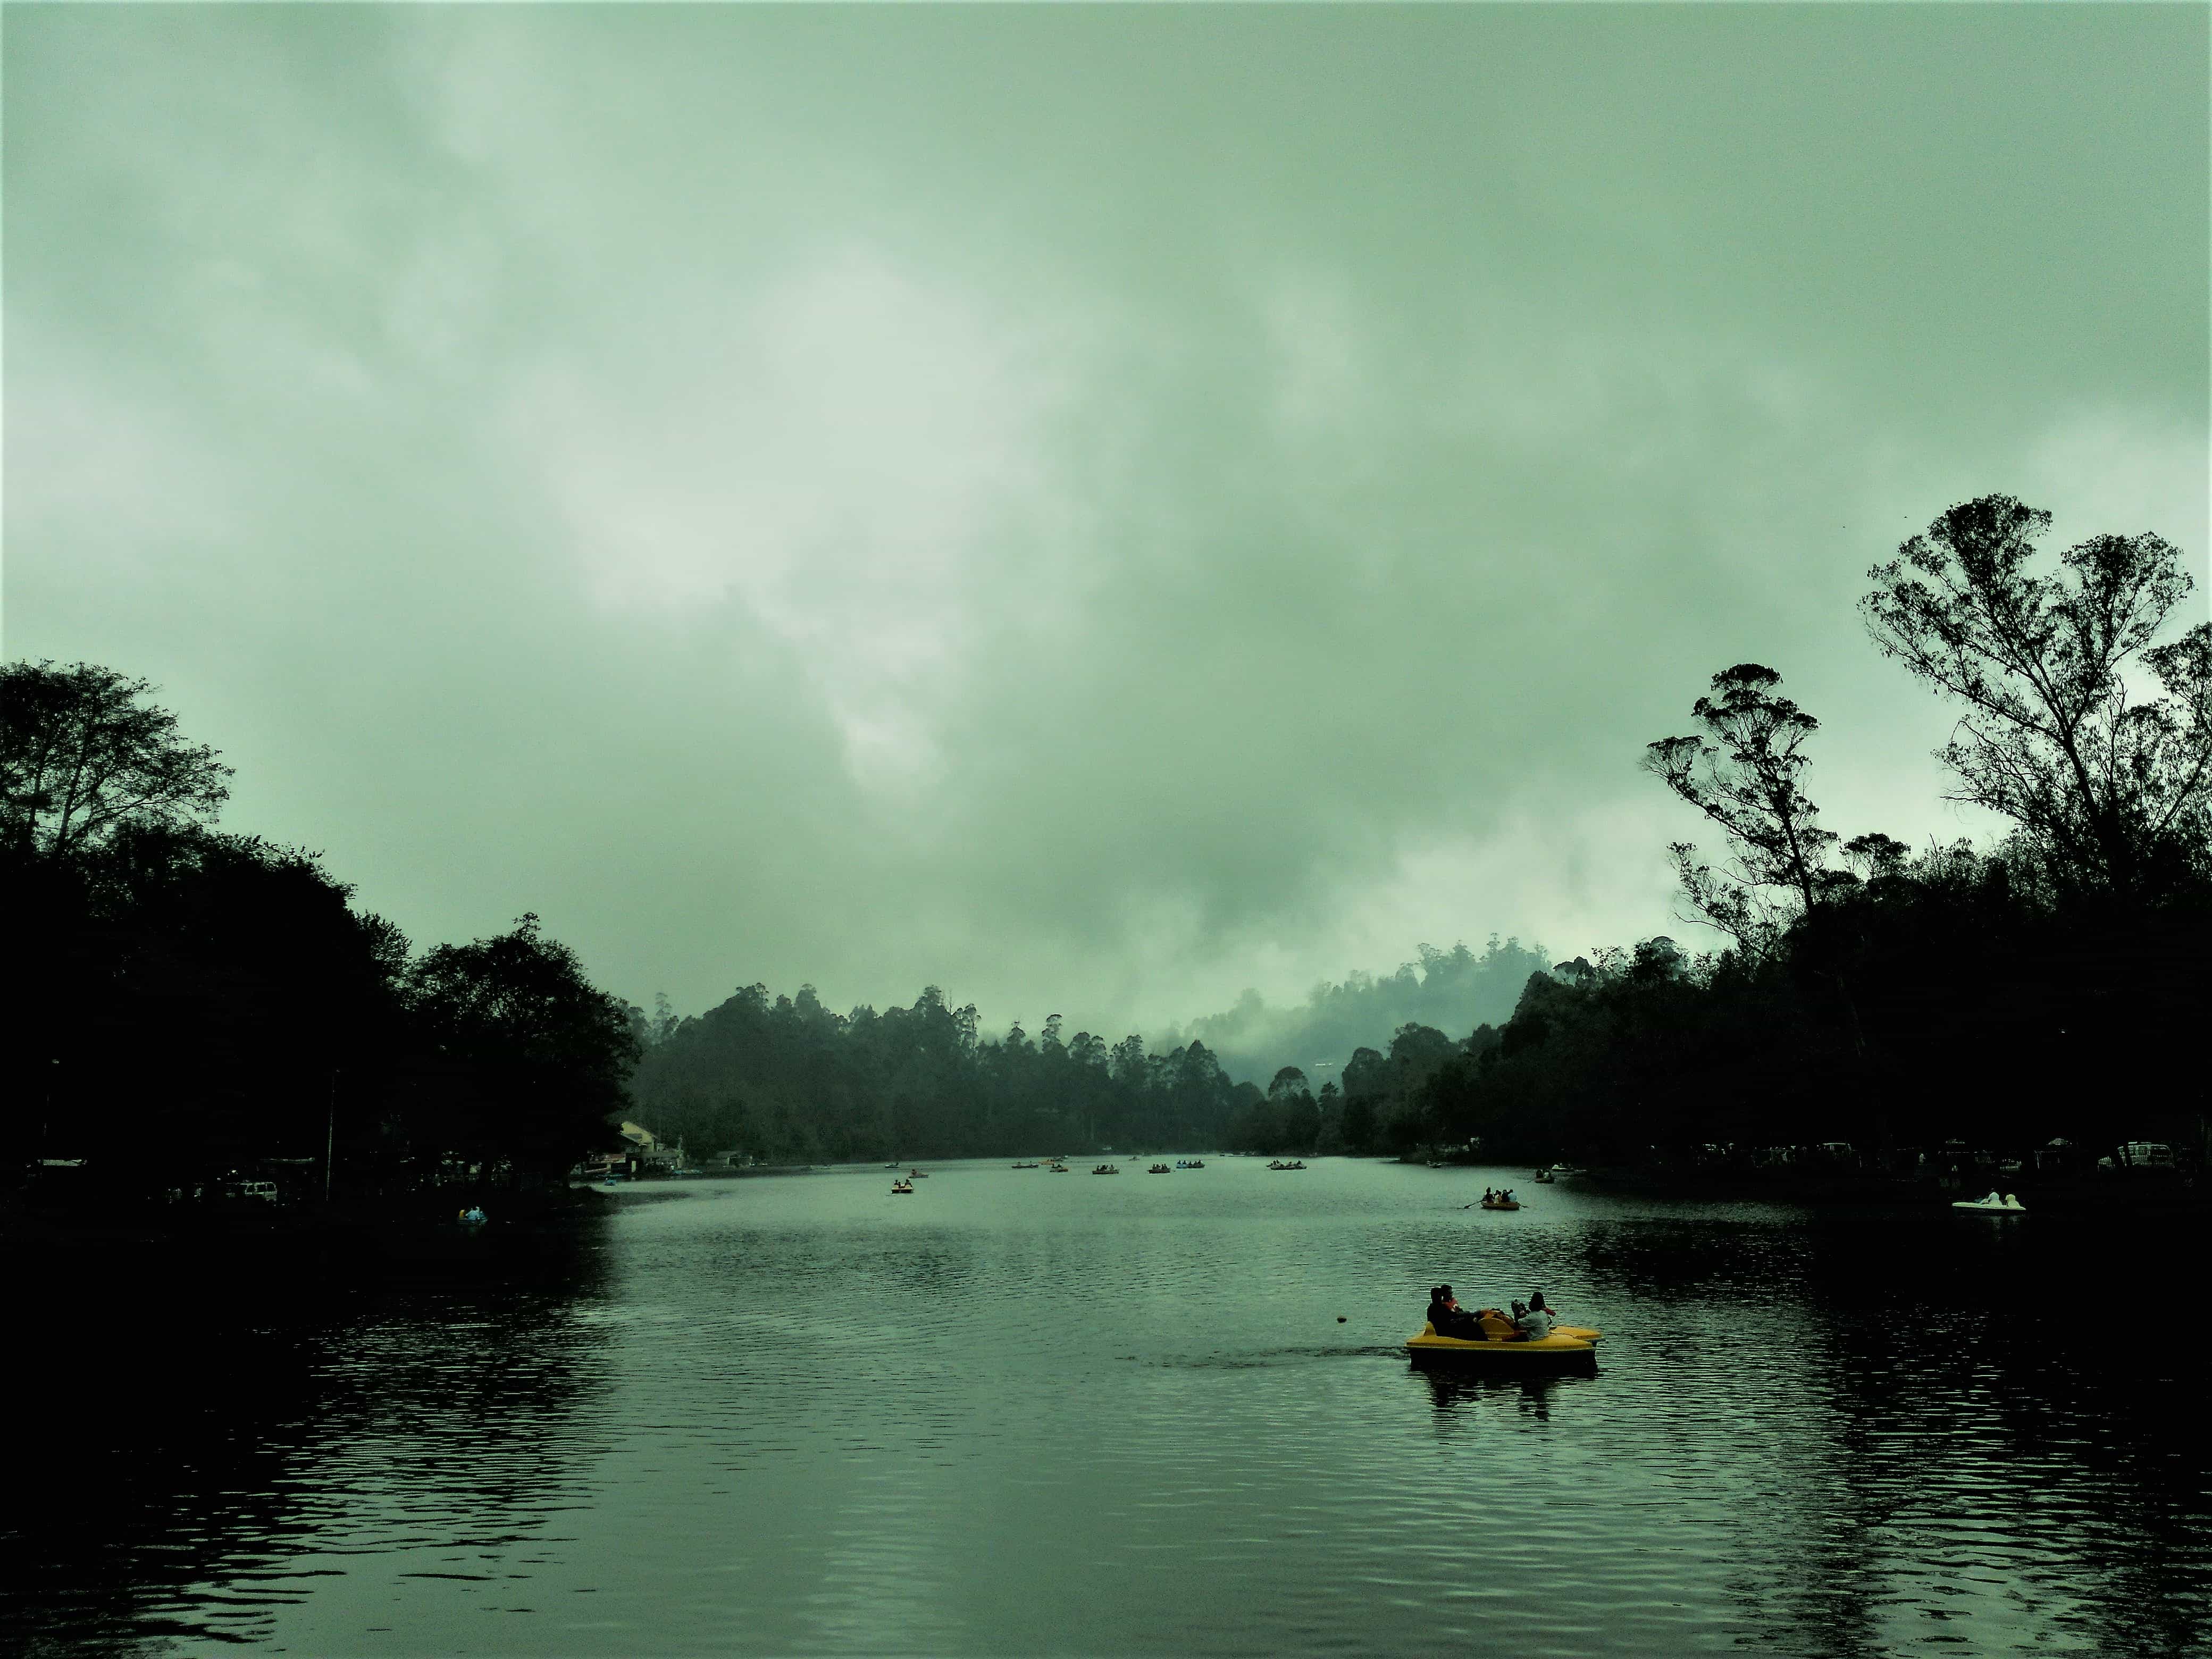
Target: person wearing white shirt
{"x":1531,"y":1323}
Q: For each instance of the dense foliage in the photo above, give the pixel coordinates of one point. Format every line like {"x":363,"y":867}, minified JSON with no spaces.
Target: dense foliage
{"x":2052,"y":988}
{"x":787,"y":1079}
{"x":1946,"y":999}
{"x":792,"y":1081}
{"x":187,"y":1008}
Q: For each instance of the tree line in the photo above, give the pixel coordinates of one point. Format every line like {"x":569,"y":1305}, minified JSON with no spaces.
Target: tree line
{"x":790,"y":1080}
{"x":786,"y":1079}
{"x":2050,"y":987}
{"x":187,"y":1006}
{"x":186,"y":1000}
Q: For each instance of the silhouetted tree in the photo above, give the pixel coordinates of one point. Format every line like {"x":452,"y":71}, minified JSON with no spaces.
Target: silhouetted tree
{"x":551,"y":1052}
{"x":1746,"y":781}
{"x":2116,"y":790}
{"x":82,"y":756}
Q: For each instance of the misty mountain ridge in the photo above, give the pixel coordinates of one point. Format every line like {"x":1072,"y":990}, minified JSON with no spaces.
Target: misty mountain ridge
{"x":1453,"y":991}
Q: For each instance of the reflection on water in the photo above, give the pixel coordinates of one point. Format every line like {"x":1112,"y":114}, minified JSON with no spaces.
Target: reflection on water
{"x":201,"y":1459}
{"x":1005,"y":1416}
{"x":1529,"y":1396}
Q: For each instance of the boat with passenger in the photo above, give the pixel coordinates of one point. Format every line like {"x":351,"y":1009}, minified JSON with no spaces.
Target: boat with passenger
{"x":1995,"y":1204}
{"x":1159,"y":1169}
{"x":1501,"y":1345}
{"x":1028,"y":1166}
{"x":1105,"y":1169}
{"x":902,"y":1188}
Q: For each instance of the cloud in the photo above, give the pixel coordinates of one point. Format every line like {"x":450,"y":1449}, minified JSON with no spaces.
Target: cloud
{"x":992,"y":499}
{"x":853,"y":454}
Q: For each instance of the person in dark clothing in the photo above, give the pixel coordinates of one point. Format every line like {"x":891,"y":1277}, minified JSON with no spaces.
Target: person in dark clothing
{"x":1447,"y":1318}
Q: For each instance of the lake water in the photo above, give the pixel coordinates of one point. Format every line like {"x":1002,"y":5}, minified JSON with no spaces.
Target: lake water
{"x":1022,"y":1413}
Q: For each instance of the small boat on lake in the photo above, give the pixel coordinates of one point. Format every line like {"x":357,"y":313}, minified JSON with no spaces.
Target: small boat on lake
{"x":1501,"y":1203}
{"x":903,"y":1188}
{"x":1159,"y":1169}
{"x":1294,"y":1163}
{"x":1105,"y":1169}
{"x":1543,"y":1177}
{"x":1995,"y":1204}
{"x":1028,"y":1166}
{"x":1568,"y":1346}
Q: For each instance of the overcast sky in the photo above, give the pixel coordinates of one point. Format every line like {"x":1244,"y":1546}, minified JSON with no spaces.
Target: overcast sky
{"x":1095,"y":509}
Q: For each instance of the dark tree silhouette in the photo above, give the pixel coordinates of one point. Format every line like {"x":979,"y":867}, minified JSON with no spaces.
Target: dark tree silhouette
{"x":81,"y":757}
{"x":2113,"y":787}
{"x":550,"y":1052}
{"x":1744,"y":776}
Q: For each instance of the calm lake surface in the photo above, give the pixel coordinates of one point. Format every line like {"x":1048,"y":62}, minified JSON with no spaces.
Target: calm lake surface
{"x":1021,"y":1412}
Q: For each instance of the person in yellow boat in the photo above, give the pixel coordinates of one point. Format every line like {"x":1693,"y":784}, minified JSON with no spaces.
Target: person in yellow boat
{"x":1532,"y":1322}
{"x":1447,"y":1318}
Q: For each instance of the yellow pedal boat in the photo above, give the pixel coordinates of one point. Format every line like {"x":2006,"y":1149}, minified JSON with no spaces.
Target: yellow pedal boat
{"x":1499,"y":1346}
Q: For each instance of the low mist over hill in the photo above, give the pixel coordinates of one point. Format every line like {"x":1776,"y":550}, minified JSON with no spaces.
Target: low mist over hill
{"x":786,"y":1078}
{"x":1453,"y":991}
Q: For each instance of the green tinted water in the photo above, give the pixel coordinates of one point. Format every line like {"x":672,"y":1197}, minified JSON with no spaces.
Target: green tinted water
{"x":1020,"y":1413}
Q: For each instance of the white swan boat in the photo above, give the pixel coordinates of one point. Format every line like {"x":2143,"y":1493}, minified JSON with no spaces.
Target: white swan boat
{"x":1995,"y":1204}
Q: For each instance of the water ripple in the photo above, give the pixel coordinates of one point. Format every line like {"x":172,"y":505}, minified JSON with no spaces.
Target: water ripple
{"x":1013,"y":1415}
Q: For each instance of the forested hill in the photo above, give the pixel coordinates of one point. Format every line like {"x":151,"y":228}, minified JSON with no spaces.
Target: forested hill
{"x":790,"y":1079}
{"x":786,"y":1077}
{"x":1453,"y":991}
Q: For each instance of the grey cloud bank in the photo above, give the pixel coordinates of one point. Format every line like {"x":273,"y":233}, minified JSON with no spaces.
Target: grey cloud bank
{"x":1096,"y":509}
